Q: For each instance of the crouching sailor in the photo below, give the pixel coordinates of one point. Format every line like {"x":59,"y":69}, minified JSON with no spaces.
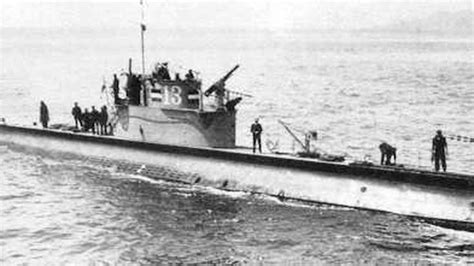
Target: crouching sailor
{"x":387,"y":152}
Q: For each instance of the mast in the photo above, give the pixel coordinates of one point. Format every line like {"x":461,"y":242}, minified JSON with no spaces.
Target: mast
{"x":142,"y":31}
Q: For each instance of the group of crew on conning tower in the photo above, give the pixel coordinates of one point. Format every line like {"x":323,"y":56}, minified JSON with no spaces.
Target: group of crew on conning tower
{"x":161,"y":72}
{"x":133,"y":84}
{"x":139,"y":87}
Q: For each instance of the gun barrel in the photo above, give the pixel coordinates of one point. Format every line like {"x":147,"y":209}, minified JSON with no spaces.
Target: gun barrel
{"x":220,"y":83}
{"x":227,"y":76}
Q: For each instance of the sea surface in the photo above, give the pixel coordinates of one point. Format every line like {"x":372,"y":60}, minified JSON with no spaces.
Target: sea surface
{"x":355,"y":89}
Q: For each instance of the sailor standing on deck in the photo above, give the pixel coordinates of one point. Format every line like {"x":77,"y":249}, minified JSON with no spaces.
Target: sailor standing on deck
{"x":104,"y":117}
{"x":44,"y":114}
{"x":95,"y":115}
{"x":439,"y":150}
{"x":77,"y":114}
{"x":115,"y":88}
{"x":256,"y":130}
{"x":86,"y":120}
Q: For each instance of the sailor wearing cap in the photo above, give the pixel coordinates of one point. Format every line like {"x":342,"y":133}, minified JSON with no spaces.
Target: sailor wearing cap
{"x":439,"y":150}
{"x":256,"y":130}
{"x":163,"y":72}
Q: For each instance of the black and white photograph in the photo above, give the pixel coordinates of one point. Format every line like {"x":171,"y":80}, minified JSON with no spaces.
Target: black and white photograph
{"x":236,"y":132}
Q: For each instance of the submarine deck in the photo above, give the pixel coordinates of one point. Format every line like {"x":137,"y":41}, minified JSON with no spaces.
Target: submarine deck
{"x":245,"y":155}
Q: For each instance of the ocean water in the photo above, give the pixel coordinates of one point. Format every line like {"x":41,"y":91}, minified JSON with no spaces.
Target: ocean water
{"x":58,"y":210}
{"x":355,"y":89}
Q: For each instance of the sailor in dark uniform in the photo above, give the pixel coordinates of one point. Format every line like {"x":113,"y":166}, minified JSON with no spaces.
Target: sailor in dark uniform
{"x":44,"y":114}
{"x":104,"y":117}
{"x":256,"y":130}
{"x":439,"y":150}
{"x":116,"y":88}
{"x":190,"y":76}
{"x":166,"y":72}
{"x":387,"y":152}
{"x":77,"y":114}
{"x":95,"y":117}
{"x":162,"y":72}
{"x":86,"y":120}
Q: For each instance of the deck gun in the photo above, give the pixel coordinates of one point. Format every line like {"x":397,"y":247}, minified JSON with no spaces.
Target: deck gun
{"x":219,"y":86}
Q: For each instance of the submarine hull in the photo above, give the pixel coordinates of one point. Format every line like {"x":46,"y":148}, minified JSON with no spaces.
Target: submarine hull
{"x":433,"y":196}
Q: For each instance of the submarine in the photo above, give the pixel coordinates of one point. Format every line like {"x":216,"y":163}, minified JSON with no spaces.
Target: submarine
{"x":175,"y":130}
{"x":163,"y":126}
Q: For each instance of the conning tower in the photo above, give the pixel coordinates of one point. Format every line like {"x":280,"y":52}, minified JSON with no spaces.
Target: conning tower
{"x":156,"y":108}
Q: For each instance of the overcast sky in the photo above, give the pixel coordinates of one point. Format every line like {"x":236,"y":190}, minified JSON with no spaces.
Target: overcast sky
{"x":247,"y":14}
